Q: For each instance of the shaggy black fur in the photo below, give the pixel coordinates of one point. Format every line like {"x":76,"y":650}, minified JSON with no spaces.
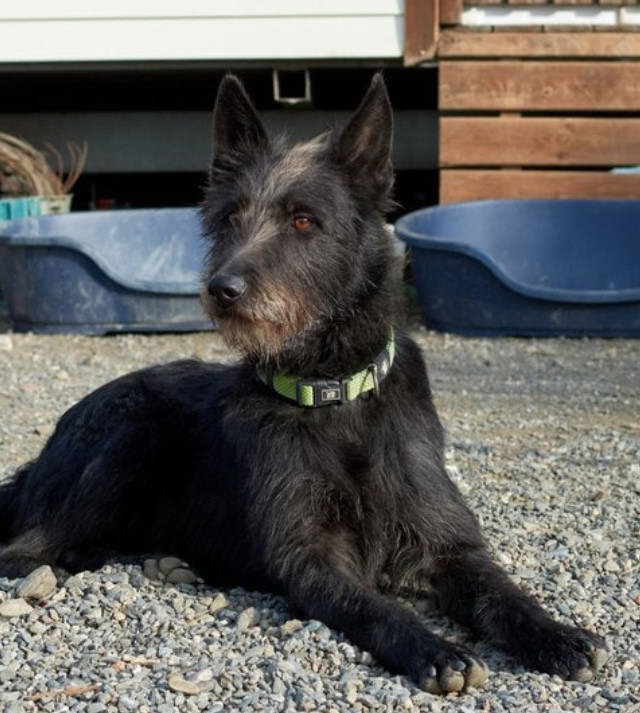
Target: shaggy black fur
{"x":336,"y":507}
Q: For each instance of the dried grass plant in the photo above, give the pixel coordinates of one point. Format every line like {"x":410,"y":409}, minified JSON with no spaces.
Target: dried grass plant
{"x":29,"y":171}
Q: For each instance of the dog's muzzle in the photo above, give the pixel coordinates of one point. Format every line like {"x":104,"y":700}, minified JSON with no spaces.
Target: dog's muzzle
{"x":227,"y":289}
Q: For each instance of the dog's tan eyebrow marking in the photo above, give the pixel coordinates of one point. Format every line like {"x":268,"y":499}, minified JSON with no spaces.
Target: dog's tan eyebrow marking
{"x":292,"y":165}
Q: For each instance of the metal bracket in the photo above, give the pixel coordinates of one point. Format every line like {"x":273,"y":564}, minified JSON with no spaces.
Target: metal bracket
{"x":304,"y":101}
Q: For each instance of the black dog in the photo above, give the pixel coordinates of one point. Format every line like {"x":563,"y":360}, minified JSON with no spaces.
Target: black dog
{"x":317,"y":460}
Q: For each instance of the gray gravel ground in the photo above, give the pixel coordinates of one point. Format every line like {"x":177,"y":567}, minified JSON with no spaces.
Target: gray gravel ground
{"x":544,"y":440}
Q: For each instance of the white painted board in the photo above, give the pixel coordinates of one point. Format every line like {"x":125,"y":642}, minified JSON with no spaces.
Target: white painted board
{"x":75,"y":31}
{"x":122,"y":9}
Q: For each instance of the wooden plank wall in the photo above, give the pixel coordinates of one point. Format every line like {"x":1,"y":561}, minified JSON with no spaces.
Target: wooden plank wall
{"x":421,"y":30}
{"x":537,"y":114}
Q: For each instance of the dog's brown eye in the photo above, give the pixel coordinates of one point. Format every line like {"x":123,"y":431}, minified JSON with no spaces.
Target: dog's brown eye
{"x":301,"y":222}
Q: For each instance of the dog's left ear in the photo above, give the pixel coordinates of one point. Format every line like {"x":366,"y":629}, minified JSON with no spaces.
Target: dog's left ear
{"x":364,"y":145}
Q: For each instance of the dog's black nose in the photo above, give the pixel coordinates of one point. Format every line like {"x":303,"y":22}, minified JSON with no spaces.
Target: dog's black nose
{"x":227,"y":289}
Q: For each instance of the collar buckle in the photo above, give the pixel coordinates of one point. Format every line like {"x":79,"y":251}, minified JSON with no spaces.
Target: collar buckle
{"x":325,"y":392}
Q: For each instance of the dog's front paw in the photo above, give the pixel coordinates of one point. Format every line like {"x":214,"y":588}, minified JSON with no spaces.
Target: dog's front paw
{"x":575,"y":654}
{"x":453,"y":668}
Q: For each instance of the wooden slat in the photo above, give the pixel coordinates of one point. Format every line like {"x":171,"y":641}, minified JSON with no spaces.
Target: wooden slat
{"x":421,"y":30}
{"x":560,"y":86}
{"x":483,"y":141}
{"x":450,"y":12}
{"x":454,"y":43}
{"x":457,"y":185}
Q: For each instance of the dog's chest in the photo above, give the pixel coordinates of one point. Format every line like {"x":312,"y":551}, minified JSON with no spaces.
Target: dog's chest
{"x":359,"y":486}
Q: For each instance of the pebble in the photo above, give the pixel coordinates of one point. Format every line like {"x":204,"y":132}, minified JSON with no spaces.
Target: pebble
{"x":291,"y":626}
{"x":247,"y":619}
{"x":220,"y":602}
{"x":177,"y":683}
{"x":180,"y":575}
{"x":199,"y":676}
{"x":350,"y":692}
{"x":15,"y":607}
{"x":151,"y":569}
{"x":38,"y":585}
{"x":96,"y":708}
{"x":168,"y":564}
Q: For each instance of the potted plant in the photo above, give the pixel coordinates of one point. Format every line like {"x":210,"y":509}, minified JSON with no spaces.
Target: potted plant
{"x":30,"y":185}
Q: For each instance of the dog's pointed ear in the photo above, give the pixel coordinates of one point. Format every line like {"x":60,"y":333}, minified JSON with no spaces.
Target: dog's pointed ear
{"x":364,"y":145}
{"x":237,"y":129}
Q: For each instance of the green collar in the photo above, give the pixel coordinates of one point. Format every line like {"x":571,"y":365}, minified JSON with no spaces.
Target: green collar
{"x":327,"y":392}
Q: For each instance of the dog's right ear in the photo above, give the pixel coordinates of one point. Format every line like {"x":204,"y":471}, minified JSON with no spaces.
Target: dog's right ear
{"x":237,"y":129}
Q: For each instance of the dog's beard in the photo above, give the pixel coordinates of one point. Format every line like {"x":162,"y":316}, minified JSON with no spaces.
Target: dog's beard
{"x":262,"y":329}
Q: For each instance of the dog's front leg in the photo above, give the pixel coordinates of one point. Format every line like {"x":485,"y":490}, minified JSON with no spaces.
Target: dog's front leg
{"x":389,"y":631}
{"x":477,"y":593}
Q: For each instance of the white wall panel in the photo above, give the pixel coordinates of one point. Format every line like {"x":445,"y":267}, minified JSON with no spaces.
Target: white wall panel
{"x":81,"y":9}
{"x":75,"y":31}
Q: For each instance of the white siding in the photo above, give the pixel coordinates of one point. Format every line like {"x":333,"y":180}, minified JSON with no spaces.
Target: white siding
{"x":81,"y":9}
{"x":80,"y":31}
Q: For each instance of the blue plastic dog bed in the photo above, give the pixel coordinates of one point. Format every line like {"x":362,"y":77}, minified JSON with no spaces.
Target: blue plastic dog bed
{"x":528,"y":267}
{"x":100,"y":272}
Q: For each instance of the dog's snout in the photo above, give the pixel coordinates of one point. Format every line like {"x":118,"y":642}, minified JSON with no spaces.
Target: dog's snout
{"x":227,"y":289}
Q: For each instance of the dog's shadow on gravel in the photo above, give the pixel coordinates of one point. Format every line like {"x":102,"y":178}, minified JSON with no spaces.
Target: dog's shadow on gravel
{"x":239,"y":609}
